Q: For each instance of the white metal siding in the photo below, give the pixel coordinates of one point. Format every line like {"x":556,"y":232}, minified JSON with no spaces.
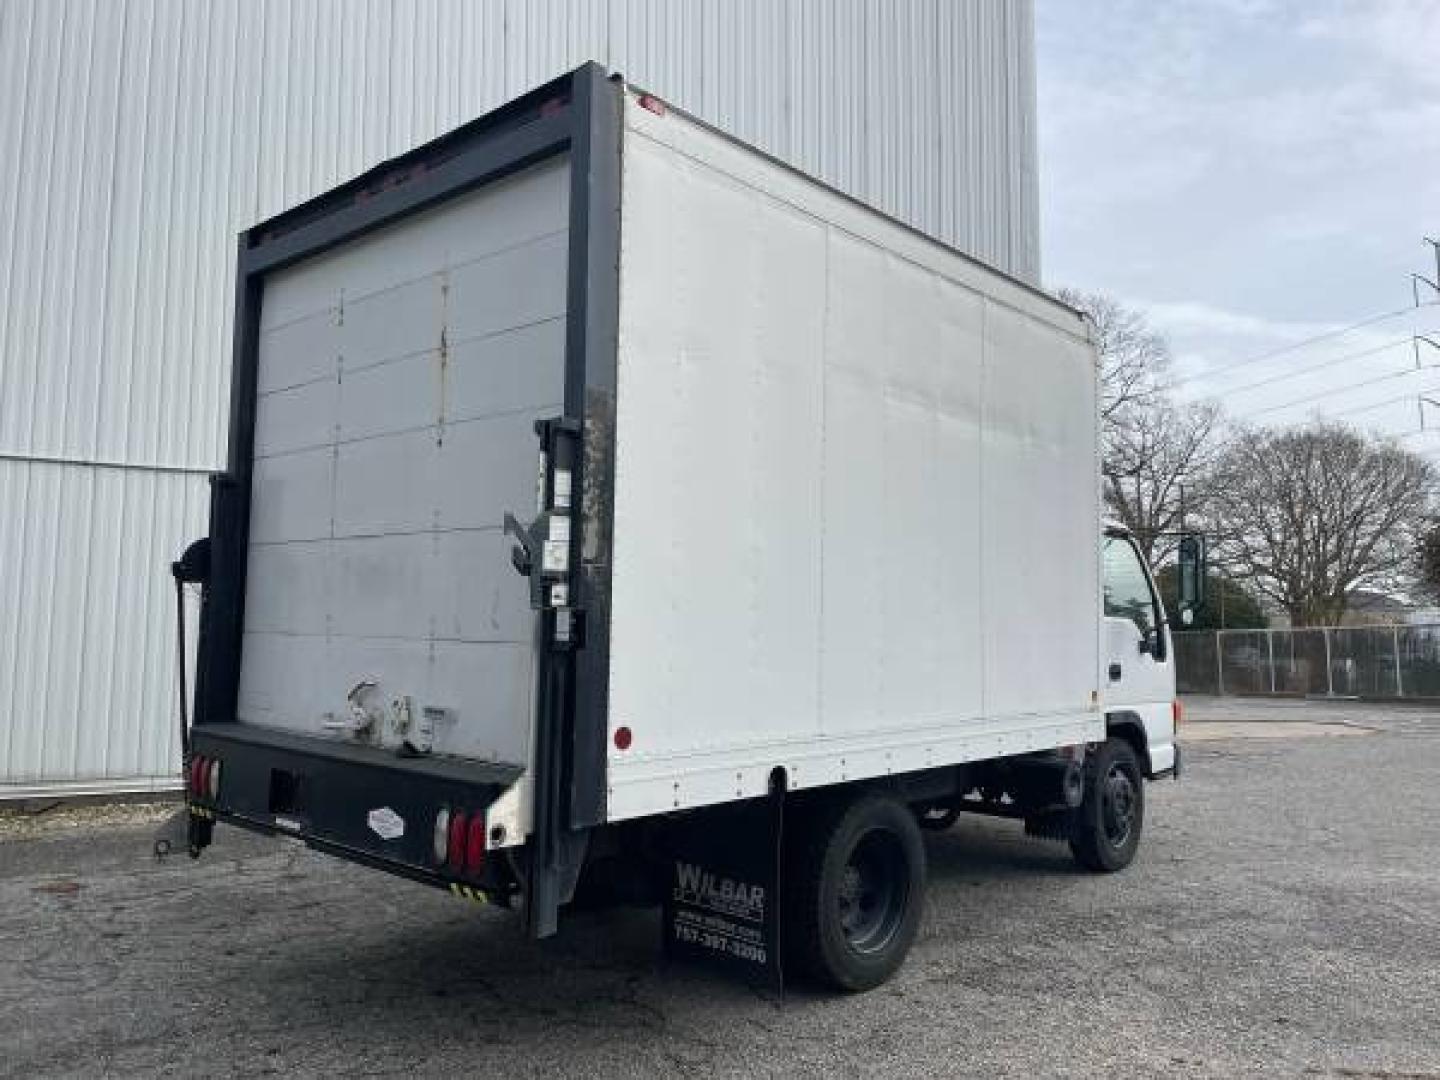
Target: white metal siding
{"x":87,"y":624}
{"x":141,"y":136}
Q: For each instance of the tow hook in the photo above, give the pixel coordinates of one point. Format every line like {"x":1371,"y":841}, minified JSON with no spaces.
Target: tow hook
{"x":192,"y":827}
{"x":173,"y":833}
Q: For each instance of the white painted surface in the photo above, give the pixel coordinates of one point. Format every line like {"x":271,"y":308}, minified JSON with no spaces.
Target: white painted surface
{"x":403,"y":374}
{"x":142,"y":136}
{"x":1135,"y":680}
{"x":856,"y":490}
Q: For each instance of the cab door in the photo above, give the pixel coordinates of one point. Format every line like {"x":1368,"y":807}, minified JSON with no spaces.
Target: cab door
{"x":1139,"y":675}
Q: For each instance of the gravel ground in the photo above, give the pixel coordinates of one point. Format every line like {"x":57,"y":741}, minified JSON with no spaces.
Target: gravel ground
{"x":1283,"y":919}
{"x":51,"y":819}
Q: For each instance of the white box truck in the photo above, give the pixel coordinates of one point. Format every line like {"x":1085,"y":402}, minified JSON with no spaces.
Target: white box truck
{"x":614,"y":513}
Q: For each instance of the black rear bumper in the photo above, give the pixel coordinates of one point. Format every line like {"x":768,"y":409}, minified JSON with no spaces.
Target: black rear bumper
{"x":343,"y":798}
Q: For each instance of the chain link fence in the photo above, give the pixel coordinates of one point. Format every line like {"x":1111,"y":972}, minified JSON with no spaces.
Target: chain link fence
{"x":1360,"y":662}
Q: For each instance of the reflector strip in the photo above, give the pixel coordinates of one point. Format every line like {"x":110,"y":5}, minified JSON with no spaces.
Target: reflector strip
{"x":465,"y":892}
{"x":441,"y":841}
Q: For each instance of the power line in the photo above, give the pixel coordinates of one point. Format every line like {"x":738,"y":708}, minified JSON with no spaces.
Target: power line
{"x":1294,"y":346}
{"x":1406,"y":340}
{"x":1333,"y":391}
{"x":1421,"y":400}
{"x":1376,"y":405}
{"x":1398,"y":399}
{"x":1422,"y":449}
{"x":1381,"y":404}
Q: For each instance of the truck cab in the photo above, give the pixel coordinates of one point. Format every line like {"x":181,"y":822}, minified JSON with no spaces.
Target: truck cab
{"x":1138,"y":680}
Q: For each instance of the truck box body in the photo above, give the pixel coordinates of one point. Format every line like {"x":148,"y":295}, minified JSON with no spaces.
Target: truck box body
{"x":834,"y":507}
{"x":848,"y":462}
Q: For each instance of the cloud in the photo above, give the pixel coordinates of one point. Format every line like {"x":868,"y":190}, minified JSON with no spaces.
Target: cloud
{"x":1252,"y":173}
{"x":1193,"y":316}
{"x":1401,"y":35}
{"x":1277,"y":371}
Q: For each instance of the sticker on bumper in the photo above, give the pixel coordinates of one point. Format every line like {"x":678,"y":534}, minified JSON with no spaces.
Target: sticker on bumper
{"x":386,"y":823}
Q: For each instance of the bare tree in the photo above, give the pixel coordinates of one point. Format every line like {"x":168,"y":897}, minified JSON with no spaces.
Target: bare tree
{"x":1157,"y":463}
{"x":1430,"y":560}
{"x":1133,"y":355}
{"x":1310,"y":515}
{"x":1155,"y":451}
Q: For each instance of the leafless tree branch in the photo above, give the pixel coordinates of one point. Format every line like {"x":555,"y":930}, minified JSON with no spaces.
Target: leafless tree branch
{"x":1157,"y":469}
{"x":1133,"y":356}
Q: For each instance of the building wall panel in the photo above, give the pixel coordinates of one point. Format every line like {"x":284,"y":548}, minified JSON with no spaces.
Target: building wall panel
{"x":142,"y":135}
{"x":87,"y":623}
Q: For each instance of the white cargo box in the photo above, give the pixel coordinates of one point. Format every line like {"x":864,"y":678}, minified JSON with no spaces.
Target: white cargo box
{"x":856,"y":489}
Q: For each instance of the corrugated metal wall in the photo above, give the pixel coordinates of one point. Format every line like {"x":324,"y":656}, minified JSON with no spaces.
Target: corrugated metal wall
{"x":140,"y":136}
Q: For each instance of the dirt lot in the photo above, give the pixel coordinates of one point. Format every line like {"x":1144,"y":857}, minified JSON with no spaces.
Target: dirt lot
{"x":1283,"y":919}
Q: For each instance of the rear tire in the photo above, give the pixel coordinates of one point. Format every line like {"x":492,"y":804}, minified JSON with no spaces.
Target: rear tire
{"x":1112,"y":816}
{"x":856,"y":892}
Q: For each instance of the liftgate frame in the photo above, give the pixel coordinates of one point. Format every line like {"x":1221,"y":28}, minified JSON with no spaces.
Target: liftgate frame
{"x":578,"y":114}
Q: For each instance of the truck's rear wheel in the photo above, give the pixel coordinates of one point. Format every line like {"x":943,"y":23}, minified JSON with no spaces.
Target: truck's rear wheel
{"x":1110,"y":819}
{"x":856,"y":892}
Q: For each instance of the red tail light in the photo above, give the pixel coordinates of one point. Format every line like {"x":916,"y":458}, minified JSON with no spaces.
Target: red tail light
{"x":475,"y":846}
{"x":202,"y":778}
{"x":196,"y":778}
{"x":456,"y":854}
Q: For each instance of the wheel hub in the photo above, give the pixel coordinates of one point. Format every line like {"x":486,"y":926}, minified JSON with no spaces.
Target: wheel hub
{"x":1118,"y":805}
{"x":872,"y":892}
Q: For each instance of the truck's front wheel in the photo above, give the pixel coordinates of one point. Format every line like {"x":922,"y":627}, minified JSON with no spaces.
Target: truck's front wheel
{"x":1107,"y":833}
{"x":856,"y":892}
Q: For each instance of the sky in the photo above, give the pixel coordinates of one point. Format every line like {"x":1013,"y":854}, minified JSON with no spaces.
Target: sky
{"x":1253,"y":174}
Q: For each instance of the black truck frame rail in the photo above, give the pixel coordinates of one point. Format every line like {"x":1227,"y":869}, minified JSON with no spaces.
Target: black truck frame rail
{"x":578,"y":115}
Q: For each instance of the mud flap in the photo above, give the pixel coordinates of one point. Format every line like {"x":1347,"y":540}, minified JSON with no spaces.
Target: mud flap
{"x":201,"y":830}
{"x":722,"y":900}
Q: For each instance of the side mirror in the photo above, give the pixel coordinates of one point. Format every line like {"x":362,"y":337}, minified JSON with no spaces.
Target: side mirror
{"x":1152,"y":643}
{"x":1191,"y":571}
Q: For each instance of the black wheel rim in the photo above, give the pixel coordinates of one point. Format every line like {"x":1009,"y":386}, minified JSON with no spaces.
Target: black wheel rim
{"x":937,"y":818}
{"x":874,"y":888}
{"x":1119,"y":803}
